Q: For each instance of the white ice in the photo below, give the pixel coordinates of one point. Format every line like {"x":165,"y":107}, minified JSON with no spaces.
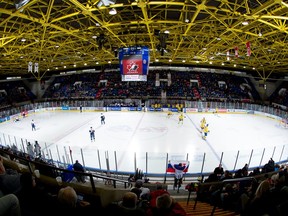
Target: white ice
{"x":128,"y":138}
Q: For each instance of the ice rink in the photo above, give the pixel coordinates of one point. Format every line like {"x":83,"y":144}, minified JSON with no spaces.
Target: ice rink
{"x":146,"y":139}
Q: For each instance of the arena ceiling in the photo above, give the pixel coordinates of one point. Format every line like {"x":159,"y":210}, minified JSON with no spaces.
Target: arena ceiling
{"x":69,"y":34}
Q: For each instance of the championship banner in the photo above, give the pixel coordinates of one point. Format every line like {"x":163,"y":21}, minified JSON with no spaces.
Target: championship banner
{"x":248,"y":46}
{"x":236,"y":52}
{"x":36,"y":68}
{"x":30,"y":65}
{"x":172,"y":164}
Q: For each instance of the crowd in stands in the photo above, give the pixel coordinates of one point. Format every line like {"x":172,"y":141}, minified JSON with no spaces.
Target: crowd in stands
{"x":12,"y":92}
{"x":280,"y":96}
{"x":179,"y":84}
{"x":109,"y":85}
{"x":22,"y":193}
{"x":259,"y":192}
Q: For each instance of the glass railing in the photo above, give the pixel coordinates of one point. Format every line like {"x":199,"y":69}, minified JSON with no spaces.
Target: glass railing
{"x":149,"y":162}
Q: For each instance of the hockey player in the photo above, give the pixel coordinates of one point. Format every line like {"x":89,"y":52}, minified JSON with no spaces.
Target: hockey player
{"x":92,"y":134}
{"x":202,"y":123}
{"x":102,"y":118}
{"x":181,"y":118}
{"x":169,"y":114}
{"x":205,"y":131}
{"x":33,"y":125}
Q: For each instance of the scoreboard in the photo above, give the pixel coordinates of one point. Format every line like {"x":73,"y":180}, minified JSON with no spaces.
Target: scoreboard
{"x":134,"y":63}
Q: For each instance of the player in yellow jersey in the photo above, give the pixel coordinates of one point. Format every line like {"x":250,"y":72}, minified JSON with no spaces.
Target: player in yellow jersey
{"x":202,"y":123}
{"x":169,"y":114}
{"x":205,"y":131}
{"x":181,"y":117}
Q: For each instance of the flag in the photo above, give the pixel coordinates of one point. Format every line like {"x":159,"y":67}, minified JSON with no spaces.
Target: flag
{"x":170,"y":168}
{"x":236,"y":52}
{"x":248,"y":46}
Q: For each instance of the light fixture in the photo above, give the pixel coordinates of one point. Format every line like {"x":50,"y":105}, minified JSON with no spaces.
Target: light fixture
{"x":94,"y":36}
{"x":222,"y":63}
{"x":156,"y":60}
{"x":183,"y":61}
{"x":112,"y":11}
{"x":166,"y":32}
{"x":23,"y":39}
{"x":187,"y":21}
{"x":170,"y":60}
{"x":245,"y":23}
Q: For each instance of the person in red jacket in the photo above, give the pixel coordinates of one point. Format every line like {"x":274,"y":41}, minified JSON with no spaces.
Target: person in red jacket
{"x":166,"y":206}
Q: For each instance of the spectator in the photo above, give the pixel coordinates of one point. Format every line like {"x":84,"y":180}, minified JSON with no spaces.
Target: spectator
{"x":69,"y":203}
{"x":145,"y":192}
{"x":155,"y":194}
{"x":269,"y":167}
{"x":79,"y":168}
{"x":218,"y":171}
{"x":166,"y":206}
{"x":9,"y":205}
{"x":126,"y":207}
{"x":245,"y":170}
{"x":9,"y":180}
{"x":179,"y":172}
{"x":32,"y":198}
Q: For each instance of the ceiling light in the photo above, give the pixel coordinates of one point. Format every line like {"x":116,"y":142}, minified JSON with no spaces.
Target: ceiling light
{"x":94,"y":36}
{"x":166,"y":32}
{"x":170,"y":60}
{"x":210,"y":62}
{"x":218,"y":38}
{"x":106,"y":3}
{"x":222,"y":64}
{"x":97,"y":62}
{"x":183,"y":61}
{"x":245,"y":23}
{"x":85,"y":64}
{"x":235,"y":65}
{"x":156,"y":60}
{"x":109,"y":62}
{"x":74,"y":65}
{"x":112,"y":11}
{"x":23,"y":39}
{"x":244,"y":67}
{"x":253,"y":68}
{"x":57,"y":46}
{"x":64,"y":66}
{"x":187,"y":20}
{"x":197,"y":62}
{"x":260,"y":34}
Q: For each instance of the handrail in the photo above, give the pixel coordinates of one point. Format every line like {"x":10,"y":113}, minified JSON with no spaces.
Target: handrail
{"x":29,"y":162}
